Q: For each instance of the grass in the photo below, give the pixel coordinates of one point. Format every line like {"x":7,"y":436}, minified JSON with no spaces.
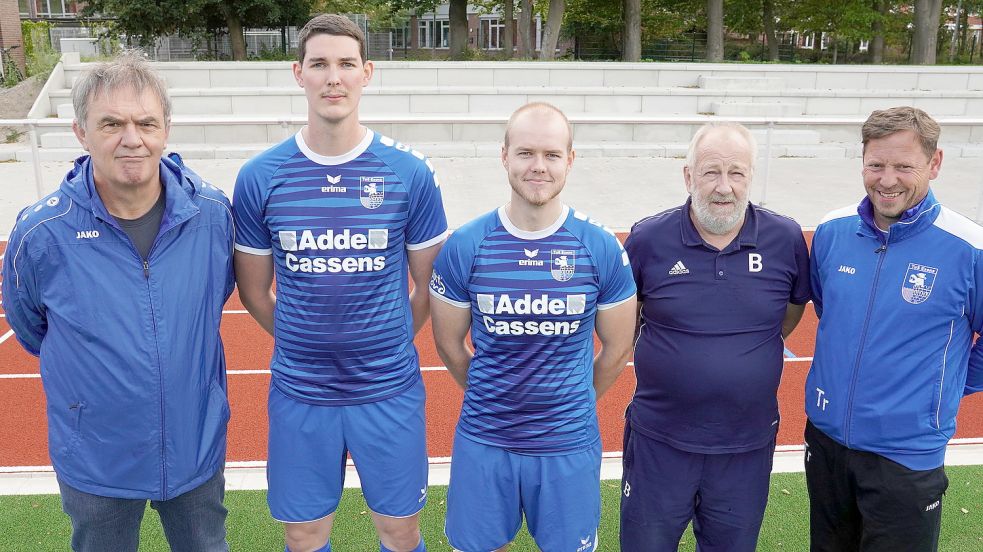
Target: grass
{"x":32,"y":523}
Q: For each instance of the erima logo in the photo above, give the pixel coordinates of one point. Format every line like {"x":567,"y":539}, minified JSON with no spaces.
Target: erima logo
{"x":531,"y":261}
{"x":489,"y":305}
{"x":847,"y":269}
{"x":86,"y":234}
{"x":333,"y":189}
{"x":678,"y":268}
{"x":585,"y":544}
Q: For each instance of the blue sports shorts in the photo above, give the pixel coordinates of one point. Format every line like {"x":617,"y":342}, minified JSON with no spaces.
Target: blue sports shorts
{"x":309,"y":445}
{"x":491,"y":488}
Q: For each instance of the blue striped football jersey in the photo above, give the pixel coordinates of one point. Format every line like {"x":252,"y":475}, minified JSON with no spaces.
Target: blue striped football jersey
{"x":338,"y":229}
{"x":533,"y":298}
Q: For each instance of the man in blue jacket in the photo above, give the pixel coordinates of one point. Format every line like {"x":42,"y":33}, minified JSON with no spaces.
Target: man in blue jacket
{"x":898,"y":285}
{"x":117,"y":282}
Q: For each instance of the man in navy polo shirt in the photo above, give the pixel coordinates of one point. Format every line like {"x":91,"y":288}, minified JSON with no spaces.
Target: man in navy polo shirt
{"x":720,"y":283}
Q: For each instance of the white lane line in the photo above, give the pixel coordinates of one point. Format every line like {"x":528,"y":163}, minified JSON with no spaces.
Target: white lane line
{"x":267,"y":372}
{"x":6,"y":336}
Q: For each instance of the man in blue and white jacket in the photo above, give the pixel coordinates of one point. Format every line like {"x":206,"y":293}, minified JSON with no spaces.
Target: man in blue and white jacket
{"x":898,"y":285}
{"x":117,"y":281}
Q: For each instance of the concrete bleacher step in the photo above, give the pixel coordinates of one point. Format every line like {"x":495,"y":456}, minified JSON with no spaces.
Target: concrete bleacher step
{"x":740,"y":83}
{"x":758,"y":109}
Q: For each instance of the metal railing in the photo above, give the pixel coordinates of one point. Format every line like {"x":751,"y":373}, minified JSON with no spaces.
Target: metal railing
{"x":764,"y":153}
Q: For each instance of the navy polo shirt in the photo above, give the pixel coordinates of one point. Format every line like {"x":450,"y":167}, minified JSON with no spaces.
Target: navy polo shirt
{"x":709,"y":356}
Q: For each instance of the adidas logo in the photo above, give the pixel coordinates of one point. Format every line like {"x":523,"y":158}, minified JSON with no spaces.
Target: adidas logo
{"x":678,"y":268}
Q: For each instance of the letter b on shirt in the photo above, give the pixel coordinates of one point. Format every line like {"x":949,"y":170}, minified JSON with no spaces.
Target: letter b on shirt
{"x":754,"y":262}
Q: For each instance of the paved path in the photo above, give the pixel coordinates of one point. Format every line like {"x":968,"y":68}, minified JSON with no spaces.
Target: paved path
{"x":615,"y":191}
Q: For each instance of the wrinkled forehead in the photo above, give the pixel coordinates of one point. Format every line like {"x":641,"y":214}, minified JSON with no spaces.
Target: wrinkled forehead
{"x":724,"y":147}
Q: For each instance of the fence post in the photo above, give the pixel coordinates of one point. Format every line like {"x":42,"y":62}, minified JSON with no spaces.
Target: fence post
{"x":766,"y":169}
{"x":36,"y":158}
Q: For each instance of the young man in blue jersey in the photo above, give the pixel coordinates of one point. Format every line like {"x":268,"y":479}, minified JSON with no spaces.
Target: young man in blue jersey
{"x":343,"y":218}
{"x":532,"y":281}
{"x":721,"y":282}
{"x":898,"y":286}
{"x":117,"y":282}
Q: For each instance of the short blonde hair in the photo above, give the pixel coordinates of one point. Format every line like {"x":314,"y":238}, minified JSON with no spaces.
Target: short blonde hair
{"x":885,"y":122}
{"x":540,"y":106}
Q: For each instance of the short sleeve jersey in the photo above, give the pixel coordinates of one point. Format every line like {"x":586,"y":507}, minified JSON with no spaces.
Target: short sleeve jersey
{"x":709,"y":355}
{"x":533,"y":298}
{"x":338,"y":229}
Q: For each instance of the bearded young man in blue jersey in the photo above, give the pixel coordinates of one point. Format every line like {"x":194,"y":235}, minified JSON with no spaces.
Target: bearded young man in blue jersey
{"x":532,"y":281}
{"x":343,"y":218}
{"x":721,"y":282}
{"x":117,"y":282}
{"x":898,"y":287}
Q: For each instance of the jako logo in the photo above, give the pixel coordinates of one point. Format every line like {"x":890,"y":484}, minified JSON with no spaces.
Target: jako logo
{"x":933,"y":506}
{"x":86,"y":234}
{"x":848,"y":269}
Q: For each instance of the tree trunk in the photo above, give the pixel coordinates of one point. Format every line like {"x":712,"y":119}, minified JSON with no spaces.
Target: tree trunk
{"x":236,"y":37}
{"x":768,"y":19}
{"x":508,"y":40}
{"x":925,"y":40}
{"x":877,"y":30}
{"x":632,"y":14}
{"x":458,"y":15}
{"x":551,"y":34}
{"x":527,"y":42}
{"x":836,"y":47}
{"x":715,"y":30}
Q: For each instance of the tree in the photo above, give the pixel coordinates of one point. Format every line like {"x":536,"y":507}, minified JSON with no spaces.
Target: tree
{"x":840,"y":20}
{"x":877,"y":32}
{"x":527,"y":45}
{"x":632,"y":16}
{"x":768,"y":23}
{"x":458,"y":15}
{"x":551,"y":34}
{"x":150,"y":19}
{"x":925,"y":39}
{"x":508,"y":37}
{"x":715,"y":30}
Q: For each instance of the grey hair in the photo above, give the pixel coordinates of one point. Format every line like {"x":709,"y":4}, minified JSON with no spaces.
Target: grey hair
{"x":702,"y":132}
{"x":129,"y":69}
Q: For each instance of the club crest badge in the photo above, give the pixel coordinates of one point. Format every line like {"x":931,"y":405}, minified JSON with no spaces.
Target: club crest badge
{"x":372,"y":191}
{"x":918,"y":282}
{"x":563,"y":264}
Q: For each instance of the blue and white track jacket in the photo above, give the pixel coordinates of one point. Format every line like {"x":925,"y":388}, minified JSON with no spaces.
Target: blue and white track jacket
{"x":895,"y":348}
{"x":132,"y":362}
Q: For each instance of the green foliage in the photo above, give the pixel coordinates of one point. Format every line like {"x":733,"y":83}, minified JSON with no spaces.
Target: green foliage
{"x":149,"y":19}
{"x":40,"y":55}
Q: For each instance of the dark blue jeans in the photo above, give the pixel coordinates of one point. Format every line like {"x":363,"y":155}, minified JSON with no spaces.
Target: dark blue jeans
{"x":193,"y":522}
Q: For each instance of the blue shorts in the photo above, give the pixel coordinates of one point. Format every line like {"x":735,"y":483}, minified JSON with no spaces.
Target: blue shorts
{"x":309,"y":444}
{"x":491,"y":487}
{"x":663,"y":488}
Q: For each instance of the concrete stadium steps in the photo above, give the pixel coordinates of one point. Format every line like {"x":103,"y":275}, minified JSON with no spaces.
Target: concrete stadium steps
{"x":779,"y":102}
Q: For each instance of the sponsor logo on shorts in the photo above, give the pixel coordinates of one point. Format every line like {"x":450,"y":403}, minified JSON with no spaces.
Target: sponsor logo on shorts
{"x":933,"y":505}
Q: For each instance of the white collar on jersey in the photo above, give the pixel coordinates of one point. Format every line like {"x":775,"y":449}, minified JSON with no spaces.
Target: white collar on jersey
{"x":538,"y":234}
{"x":337,"y":159}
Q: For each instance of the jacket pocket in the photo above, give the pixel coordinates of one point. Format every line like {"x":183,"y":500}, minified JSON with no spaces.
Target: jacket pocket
{"x":74,"y":440}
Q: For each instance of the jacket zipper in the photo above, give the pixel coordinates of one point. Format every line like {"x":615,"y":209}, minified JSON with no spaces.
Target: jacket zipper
{"x":882,"y":252}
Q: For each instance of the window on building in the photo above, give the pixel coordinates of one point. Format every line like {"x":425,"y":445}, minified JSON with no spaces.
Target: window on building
{"x":25,"y":7}
{"x":824,"y":42}
{"x":809,"y":41}
{"x":490,"y":31}
{"x":429,"y":29}
{"x":55,"y":8}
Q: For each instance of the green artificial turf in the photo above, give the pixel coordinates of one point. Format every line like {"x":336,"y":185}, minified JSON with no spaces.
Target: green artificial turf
{"x":36,"y":523}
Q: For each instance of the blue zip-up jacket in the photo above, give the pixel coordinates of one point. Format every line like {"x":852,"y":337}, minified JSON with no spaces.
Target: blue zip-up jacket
{"x":132,"y":362}
{"x":897,"y":314}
